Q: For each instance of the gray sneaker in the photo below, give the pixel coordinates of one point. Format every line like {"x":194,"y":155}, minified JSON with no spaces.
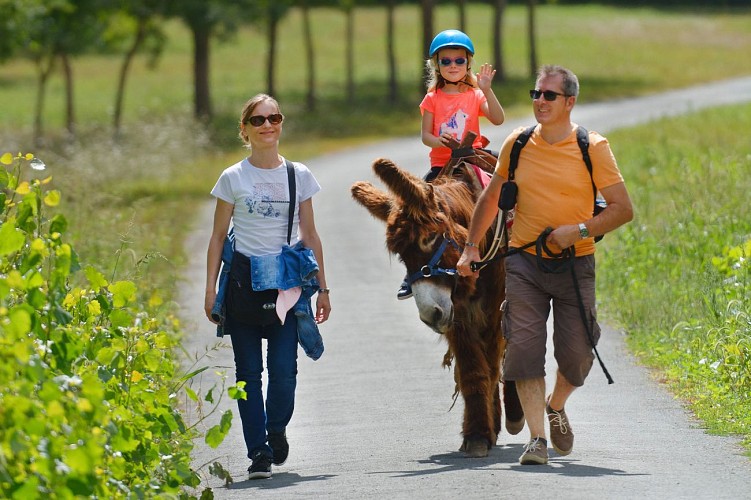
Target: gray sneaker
{"x":535,"y":452}
{"x":561,"y":433}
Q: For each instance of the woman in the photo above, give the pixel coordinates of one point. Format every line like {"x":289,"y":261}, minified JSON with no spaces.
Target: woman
{"x":254,"y":195}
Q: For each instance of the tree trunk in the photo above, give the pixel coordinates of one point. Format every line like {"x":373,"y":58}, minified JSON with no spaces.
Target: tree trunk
{"x":202,"y":95}
{"x":350,"y":54}
{"x":531,"y":35}
{"x":310,"y":58}
{"x":498,"y":60}
{"x":127,"y":60}
{"x":44,"y":67}
{"x":70,"y":113}
{"x":391,"y":54}
{"x":427,"y":35}
{"x":273,"y":22}
{"x":462,"y":5}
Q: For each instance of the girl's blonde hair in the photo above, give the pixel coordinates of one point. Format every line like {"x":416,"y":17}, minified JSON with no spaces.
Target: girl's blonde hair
{"x":434,"y":80}
{"x":247,"y":112}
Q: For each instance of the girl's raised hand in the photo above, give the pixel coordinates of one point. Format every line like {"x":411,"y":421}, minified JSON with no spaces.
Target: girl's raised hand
{"x":485,"y":76}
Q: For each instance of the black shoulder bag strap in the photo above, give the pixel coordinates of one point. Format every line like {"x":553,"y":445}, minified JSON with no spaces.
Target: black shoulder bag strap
{"x":292,"y":197}
{"x":516,"y":149}
{"x":582,"y":137}
{"x":507,"y":199}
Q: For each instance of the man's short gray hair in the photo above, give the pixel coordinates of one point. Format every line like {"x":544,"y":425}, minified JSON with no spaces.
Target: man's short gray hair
{"x":570,"y":82}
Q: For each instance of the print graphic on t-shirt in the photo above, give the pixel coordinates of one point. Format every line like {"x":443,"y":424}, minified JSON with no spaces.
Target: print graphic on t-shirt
{"x":455,"y":125}
{"x":267,"y":199}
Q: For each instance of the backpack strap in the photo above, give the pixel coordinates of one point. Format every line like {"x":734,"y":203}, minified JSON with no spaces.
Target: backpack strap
{"x":582,"y":137}
{"x":292,"y":197}
{"x":519,"y":143}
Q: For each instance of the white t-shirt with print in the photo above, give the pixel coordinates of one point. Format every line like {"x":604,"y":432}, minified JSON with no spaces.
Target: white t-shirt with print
{"x":261,"y":200}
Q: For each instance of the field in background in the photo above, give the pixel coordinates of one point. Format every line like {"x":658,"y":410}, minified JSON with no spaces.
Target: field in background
{"x":616,"y":52}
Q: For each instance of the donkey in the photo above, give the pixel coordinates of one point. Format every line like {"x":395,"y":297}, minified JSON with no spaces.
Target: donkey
{"x":426,"y":227}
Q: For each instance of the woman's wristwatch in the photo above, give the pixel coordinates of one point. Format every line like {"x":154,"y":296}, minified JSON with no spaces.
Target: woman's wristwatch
{"x":324,"y":290}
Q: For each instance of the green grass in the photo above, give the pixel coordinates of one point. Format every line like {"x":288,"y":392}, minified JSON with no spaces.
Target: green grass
{"x":677,"y":278}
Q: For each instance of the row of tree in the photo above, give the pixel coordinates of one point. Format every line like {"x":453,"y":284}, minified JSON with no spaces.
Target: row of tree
{"x":52,"y":33}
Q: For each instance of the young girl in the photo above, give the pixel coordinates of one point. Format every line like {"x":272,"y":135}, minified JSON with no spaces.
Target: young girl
{"x":456,"y":97}
{"x":455,"y":101}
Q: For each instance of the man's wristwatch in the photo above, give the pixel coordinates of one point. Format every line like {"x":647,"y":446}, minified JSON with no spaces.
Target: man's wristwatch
{"x":583,"y":231}
{"x":324,"y":290}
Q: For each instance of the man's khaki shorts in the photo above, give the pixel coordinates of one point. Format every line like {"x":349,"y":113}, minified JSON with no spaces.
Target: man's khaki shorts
{"x":529,"y":293}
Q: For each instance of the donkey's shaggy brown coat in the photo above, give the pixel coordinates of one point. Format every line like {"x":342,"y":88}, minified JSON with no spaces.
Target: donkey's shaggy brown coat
{"x":417,"y":215}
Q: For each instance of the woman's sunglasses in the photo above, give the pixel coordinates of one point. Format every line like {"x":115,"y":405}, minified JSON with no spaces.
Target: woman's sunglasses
{"x":446,"y":61}
{"x":258,"y":120}
{"x":549,"y":95}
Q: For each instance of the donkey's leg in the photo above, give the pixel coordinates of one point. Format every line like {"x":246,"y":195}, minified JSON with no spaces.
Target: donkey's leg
{"x":494,"y":355}
{"x":474,"y":383}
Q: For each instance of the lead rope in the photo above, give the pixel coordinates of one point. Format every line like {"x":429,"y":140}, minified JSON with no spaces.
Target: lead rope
{"x":496,"y":244}
{"x":588,"y":326}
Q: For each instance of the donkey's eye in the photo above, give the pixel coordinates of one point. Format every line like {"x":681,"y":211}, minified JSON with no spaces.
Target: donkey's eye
{"x":428,"y":243}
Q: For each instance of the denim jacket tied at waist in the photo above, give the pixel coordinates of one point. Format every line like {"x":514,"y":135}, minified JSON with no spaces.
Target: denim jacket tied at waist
{"x":294,"y":266}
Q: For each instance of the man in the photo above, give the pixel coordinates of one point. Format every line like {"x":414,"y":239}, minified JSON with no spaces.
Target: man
{"x":554,"y":190}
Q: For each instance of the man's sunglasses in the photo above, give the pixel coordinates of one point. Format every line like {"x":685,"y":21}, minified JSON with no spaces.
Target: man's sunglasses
{"x":258,"y":120}
{"x":549,"y":95}
{"x":446,"y":61}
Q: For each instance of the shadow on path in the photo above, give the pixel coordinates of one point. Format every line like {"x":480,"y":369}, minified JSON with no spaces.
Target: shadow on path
{"x":507,"y":458}
{"x":280,"y":480}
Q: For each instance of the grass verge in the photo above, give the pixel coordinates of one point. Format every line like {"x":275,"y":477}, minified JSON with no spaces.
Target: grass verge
{"x":678,"y":278}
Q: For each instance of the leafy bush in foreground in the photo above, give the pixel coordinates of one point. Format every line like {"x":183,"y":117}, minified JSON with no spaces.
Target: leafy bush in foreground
{"x":87,"y":379}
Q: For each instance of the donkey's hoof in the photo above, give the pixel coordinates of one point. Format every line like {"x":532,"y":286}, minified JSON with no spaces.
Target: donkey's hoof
{"x":475,"y":448}
{"x":514,"y":427}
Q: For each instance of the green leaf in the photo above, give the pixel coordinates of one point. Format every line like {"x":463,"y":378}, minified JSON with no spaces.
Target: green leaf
{"x":62,"y":316}
{"x":191,"y":394}
{"x":79,"y":460}
{"x":11,"y":239}
{"x":192,"y":374}
{"x":217,"y":470}
{"x":58,"y":224}
{"x":123,"y":292}
{"x":20,"y":321}
{"x":96,"y":279}
{"x":120,"y":318}
{"x":216,"y":434}
{"x":52,"y":198}
{"x":238,"y":391}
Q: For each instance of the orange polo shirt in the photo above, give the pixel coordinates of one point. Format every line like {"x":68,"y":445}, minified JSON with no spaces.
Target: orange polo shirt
{"x":554,"y":185}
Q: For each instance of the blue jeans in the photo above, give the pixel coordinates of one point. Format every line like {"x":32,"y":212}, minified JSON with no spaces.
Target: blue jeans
{"x":281,"y":358}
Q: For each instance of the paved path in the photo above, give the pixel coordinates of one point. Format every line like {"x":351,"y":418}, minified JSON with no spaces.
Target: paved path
{"x":372,"y":417}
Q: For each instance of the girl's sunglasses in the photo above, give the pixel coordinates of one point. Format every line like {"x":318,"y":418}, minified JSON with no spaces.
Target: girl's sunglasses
{"x":549,"y":95}
{"x":258,"y":120}
{"x":446,"y":61}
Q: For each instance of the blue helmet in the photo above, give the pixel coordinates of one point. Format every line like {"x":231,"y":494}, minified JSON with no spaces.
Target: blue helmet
{"x":451,"y":38}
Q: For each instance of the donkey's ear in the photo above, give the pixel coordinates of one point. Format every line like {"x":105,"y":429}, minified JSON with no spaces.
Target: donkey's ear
{"x":378,"y":203}
{"x":467,"y":175}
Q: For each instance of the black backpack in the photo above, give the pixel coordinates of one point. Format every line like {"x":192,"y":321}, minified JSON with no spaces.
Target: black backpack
{"x":509,"y":190}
